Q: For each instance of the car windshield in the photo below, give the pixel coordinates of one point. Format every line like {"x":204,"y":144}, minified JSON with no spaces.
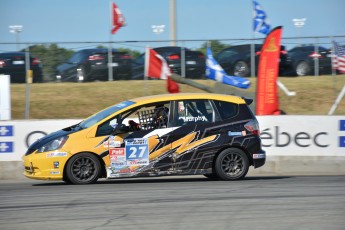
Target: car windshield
{"x":104,"y":113}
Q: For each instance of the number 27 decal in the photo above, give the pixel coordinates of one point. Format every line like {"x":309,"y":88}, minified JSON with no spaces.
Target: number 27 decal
{"x":134,"y":151}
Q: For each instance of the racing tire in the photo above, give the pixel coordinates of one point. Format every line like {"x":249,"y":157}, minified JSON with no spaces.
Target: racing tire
{"x":302,"y":69}
{"x":241,"y":69}
{"x":232,"y":164}
{"x":83,"y":168}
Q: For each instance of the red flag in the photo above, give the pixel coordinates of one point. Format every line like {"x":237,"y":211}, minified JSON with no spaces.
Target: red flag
{"x":157,"y":67}
{"x":118,"y":19}
{"x":266,"y":94}
{"x":172,"y":86}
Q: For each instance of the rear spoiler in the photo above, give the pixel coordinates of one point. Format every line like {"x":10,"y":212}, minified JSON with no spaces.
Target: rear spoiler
{"x":247,"y":100}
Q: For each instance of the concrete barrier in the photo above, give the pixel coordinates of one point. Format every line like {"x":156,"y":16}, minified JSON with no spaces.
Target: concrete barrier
{"x":295,"y":145}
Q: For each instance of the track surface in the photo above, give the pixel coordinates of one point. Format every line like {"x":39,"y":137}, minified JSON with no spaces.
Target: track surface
{"x":176,"y":203}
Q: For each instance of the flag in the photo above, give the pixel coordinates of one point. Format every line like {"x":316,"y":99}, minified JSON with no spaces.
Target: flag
{"x":157,"y":67}
{"x":172,"y":86}
{"x":260,"y":22}
{"x":215,"y":72}
{"x":266,"y":93}
{"x":339,"y":57}
{"x":118,"y":20}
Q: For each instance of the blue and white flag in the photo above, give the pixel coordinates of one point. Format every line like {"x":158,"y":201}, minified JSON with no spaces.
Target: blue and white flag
{"x":215,"y":72}
{"x":261,"y":23}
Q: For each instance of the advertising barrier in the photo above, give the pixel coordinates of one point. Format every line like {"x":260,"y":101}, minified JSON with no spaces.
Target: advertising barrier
{"x":303,"y":135}
{"x":5,"y":98}
{"x":281,"y":135}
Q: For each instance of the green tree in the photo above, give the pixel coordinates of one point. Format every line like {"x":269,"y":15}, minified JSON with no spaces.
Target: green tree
{"x":50,"y":56}
{"x":215,"y":45}
{"x":133,"y":53}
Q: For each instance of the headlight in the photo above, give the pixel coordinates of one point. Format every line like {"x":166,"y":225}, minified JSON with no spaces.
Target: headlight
{"x":53,"y":145}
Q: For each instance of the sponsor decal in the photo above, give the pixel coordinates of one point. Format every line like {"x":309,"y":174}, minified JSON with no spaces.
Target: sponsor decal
{"x":118,"y":160}
{"x":137,"y":152}
{"x":54,"y":172}
{"x":56,"y":164}
{"x":6,"y":131}
{"x":6,"y":147}
{"x":56,"y":154}
{"x":116,"y":154}
{"x":114,"y":144}
{"x":243,"y":133}
{"x":259,"y":156}
{"x":124,"y":104}
{"x":111,"y":143}
{"x":193,"y":119}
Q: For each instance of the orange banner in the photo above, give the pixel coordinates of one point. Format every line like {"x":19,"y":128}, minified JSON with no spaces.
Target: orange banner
{"x":266,"y":93}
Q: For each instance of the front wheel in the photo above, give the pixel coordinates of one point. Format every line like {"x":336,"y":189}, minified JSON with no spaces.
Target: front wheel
{"x":241,"y":69}
{"x":302,"y":69}
{"x":232,"y":164}
{"x":83,"y":168}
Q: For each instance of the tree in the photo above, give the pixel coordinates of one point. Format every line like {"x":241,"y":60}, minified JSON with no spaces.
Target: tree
{"x":50,"y":56}
{"x":133,"y":53}
{"x":215,"y":45}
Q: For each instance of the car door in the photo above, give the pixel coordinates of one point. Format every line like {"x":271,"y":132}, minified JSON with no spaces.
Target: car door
{"x":147,"y":138}
{"x":195,"y":134}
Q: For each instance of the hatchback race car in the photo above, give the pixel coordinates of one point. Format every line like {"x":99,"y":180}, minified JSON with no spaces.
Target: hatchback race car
{"x":174,"y":134}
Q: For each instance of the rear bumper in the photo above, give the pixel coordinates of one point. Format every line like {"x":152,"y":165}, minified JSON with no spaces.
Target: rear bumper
{"x":259,"y":159}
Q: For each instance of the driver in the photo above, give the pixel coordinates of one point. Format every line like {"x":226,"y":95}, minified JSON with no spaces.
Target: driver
{"x":133,"y":126}
{"x":160,"y":116}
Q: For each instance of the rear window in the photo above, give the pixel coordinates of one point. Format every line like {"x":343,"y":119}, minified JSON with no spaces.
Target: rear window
{"x":226,"y":109}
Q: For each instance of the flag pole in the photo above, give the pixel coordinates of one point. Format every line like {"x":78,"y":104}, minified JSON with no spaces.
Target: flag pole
{"x":252,"y":49}
{"x":110,"y":67}
{"x":146,"y":68}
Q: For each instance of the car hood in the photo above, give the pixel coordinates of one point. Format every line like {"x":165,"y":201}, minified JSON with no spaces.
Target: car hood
{"x":46,"y":139}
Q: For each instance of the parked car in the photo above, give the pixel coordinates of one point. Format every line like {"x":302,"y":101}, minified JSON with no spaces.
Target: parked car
{"x":236,"y":60}
{"x":215,"y":135}
{"x":92,"y":65}
{"x":194,"y":63}
{"x":14,"y":64}
{"x":303,"y":59}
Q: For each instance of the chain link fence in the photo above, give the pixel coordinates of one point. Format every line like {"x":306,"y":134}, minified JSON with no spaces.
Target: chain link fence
{"x":53,"y":54}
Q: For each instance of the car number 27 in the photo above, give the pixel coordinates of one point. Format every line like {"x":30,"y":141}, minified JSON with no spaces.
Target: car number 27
{"x":133,"y":151}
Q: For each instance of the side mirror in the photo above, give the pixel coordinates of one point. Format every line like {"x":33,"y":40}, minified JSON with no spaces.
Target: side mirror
{"x":113,"y":123}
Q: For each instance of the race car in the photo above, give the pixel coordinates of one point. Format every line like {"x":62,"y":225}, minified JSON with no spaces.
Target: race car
{"x":215,"y":135}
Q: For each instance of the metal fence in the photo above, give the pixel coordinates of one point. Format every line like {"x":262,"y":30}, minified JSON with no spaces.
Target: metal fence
{"x":139,"y":46}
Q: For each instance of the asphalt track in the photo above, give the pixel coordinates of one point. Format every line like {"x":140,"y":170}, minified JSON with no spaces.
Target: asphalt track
{"x":279,"y":202}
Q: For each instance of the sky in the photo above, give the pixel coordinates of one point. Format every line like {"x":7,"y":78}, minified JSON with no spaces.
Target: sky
{"x":89,"y":21}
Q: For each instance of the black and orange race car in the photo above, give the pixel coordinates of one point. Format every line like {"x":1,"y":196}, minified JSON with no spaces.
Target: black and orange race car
{"x":214,"y":135}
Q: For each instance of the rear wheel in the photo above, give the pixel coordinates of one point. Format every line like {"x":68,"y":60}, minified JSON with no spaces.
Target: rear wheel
{"x":232,"y":164}
{"x":302,"y":69}
{"x":83,"y":168}
{"x":241,"y":69}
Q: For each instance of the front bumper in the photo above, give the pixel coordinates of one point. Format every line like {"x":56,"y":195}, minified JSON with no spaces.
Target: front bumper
{"x":44,"y":166}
